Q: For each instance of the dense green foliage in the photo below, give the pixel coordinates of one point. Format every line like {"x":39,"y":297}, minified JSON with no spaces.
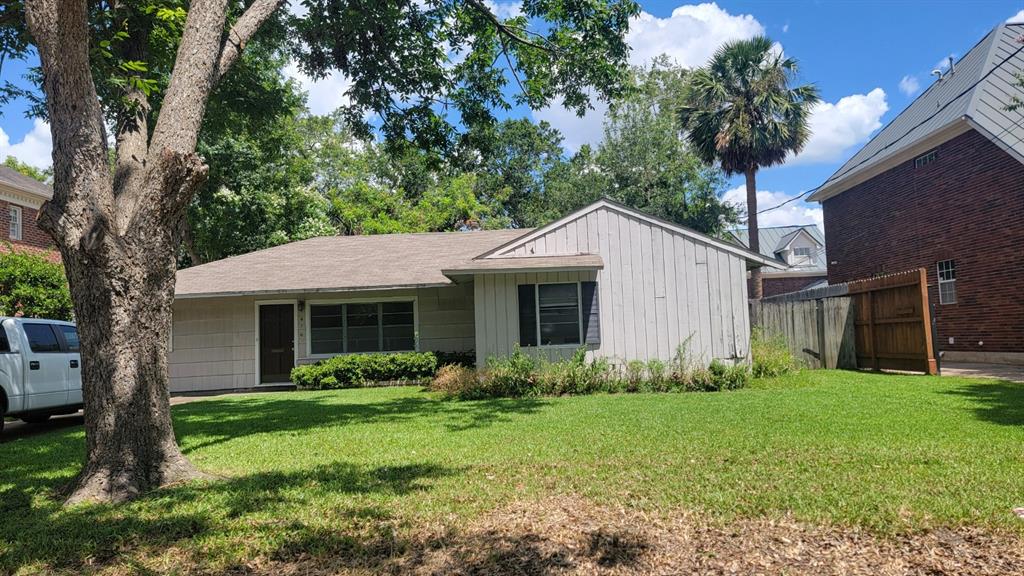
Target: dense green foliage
{"x":33,"y":286}
{"x":643,"y":161}
{"x":356,"y":370}
{"x":771,"y":356}
{"x":358,"y":472}
{"x":30,"y":171}
{"x":523,"y":375}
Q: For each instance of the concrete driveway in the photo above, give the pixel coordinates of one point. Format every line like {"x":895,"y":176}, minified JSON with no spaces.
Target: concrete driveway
{"x":998,"y":371}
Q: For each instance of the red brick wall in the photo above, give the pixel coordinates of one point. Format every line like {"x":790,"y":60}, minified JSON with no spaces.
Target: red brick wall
{"x":31,"y":235}
{"x":967,"y":206}
{"x":785,"y":285}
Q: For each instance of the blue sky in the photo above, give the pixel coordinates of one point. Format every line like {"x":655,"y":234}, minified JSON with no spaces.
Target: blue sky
{"x":867,"y":58}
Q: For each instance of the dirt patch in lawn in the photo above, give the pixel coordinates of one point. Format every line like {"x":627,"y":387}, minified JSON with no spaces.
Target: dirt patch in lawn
{"x":572,"y":536}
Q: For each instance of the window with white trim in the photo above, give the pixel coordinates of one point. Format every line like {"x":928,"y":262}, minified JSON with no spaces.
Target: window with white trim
{"x":947,"y":281}
{"x":549,"y":314}
{"x":14,"y":223}
{"x":362,"y":327}
{"x":802,"y":254}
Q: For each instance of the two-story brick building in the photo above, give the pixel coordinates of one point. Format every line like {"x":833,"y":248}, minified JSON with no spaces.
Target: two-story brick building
{"x":942,"y":187}
{"x":20,"y":200}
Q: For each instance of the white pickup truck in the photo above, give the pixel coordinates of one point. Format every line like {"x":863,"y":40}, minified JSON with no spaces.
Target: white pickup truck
{"x":40,"y":369}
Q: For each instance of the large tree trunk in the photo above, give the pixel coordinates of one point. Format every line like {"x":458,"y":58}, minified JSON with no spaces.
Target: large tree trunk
{"x":752,"y":230}
{"x":123,"y":308}
{"x":119,"y":232}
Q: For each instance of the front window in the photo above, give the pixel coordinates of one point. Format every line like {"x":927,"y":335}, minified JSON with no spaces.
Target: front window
{"x":14,"y":230}
{"x":553,"y":311}
{"x":947,"y":282}
{"x":361,"y":327}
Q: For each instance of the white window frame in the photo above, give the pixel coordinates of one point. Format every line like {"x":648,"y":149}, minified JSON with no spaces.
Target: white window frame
{"x":941,"y":281}
{"x":308,"y":331}
{"x":16,"y":222}
{"x":579,"y":315}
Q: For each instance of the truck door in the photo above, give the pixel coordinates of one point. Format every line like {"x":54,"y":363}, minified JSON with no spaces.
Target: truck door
{"x":45,"y":367}
{"x":73,"y":362}
{"x":10,"y":370}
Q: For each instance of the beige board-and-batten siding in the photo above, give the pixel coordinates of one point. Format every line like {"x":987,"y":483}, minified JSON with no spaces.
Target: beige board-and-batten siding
{"x":214,"y":339}
{"x":658,"y":290}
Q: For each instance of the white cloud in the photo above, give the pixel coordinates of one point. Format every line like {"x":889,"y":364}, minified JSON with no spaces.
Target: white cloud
{"x":324,"y":95}
{"x":34,"y":148}
{"x":505,"y":10}
{"x":910,"y":85}
{"x":796,"y":212}
{"x":690,"y":36}
{"x":1017,"y":18}
{"x":785,"y":28}
{"x":835,"y":128}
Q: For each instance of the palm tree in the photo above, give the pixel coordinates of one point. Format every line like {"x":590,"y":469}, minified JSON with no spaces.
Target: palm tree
{"x":740,"y":111}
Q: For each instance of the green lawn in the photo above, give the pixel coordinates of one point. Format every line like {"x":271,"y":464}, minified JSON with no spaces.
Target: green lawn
{"x":320,"y":473}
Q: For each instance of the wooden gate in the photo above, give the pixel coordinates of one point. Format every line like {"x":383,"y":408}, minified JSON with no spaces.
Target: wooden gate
{"x":892,"y":322}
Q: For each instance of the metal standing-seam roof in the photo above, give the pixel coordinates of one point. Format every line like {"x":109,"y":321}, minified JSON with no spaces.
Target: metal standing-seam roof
{"x":14,"y":179}
{"x":973,"y":94}
{"x":774,"y":238}
{"x":340,"y":263}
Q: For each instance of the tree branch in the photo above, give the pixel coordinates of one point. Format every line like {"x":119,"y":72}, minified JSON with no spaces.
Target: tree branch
{"x":82,"y":191}
{"x":192,"y":80}
{"x":243,"y":30}
{"x":503,"y":28}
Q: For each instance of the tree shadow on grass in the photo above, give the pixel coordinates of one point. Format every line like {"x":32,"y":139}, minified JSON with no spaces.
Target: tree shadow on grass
{"x":997,"y":401}
{"x":261,"y":508}
{"x":219,"y":420}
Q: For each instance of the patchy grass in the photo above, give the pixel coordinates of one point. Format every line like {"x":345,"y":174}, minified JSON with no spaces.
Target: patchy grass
{"x":357,"y":474}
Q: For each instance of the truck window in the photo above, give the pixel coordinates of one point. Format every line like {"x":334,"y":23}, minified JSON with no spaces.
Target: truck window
{"x":41,"y":338}
{"x":5,"y":346}
{"x":70,"y":337}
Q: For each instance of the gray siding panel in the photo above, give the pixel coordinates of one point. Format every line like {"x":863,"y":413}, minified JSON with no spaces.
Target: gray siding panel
{"x":657,"y":291}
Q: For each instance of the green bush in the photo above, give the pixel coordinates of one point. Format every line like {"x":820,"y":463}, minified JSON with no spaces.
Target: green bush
{"x":32,"y":285}
{"x":771,"y":355}
{"x":522,"y":375}
{"x":356,"y":370}
{"x":513,"y":376}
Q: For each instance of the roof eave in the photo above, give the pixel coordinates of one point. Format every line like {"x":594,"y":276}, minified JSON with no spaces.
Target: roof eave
{"x":281,"y":291}
{"x":940,"y":136}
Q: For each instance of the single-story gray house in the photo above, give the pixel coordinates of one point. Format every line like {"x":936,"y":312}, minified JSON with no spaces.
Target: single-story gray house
{"x":622,"y":283}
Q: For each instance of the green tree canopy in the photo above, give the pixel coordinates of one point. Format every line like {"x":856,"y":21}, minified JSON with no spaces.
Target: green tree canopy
{"x":28,"y":170}
{"x":32,"y":286}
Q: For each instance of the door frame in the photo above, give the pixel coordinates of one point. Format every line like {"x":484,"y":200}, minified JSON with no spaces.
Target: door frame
{"x":295,"y":333}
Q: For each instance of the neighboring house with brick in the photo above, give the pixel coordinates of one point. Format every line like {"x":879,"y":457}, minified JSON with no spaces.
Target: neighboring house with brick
{"x":800,"y":248}
{"x":20,"y":200}
{"x":942,"y":187}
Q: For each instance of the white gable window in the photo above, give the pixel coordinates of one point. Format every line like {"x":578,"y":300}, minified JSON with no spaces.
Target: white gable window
{"x":14,"y":227}
{"x":802,"y":254}
{"x":947,"y":282}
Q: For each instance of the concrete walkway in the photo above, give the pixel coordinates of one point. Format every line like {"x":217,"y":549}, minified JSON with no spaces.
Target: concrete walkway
{"x":999,"y":371}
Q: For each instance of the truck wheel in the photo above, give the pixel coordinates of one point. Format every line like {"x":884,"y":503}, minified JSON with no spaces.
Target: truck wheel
{"x":35,"y":418}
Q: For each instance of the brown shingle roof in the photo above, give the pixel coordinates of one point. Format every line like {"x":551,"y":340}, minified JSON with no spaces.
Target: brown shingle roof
{"x":19,"y":181}
{"x":340,"y":263}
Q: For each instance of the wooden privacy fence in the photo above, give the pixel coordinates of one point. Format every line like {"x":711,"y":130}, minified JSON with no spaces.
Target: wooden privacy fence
{"x":818,"y":332}
{"x":877,"y":323}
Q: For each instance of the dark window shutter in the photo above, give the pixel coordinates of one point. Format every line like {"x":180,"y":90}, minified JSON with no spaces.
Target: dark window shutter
{"x":591,"y":307}
{"x":527,"y":315}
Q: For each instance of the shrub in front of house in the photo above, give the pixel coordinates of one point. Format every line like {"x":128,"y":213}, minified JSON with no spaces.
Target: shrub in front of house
{"x":465,"y":358}
{"x":523,"y":375}
{"x":357,"y":370}
{"x":771,"y":355}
